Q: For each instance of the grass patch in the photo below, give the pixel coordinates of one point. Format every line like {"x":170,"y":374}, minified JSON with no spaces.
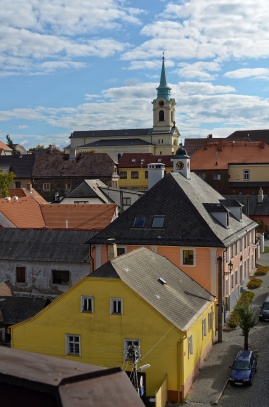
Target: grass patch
{"x":266,"y":249}
{"x":261,"y":270}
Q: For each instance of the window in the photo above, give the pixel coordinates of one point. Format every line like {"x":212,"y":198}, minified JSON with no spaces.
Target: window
{"x":86,"y":304}
{"x":190,"y":345}
{"x":72,"y":345}
{"x":216,"y":177}
{"x":20,"y":274}
{"x":139,"y":221}
{"x":202,"y":175}
{"x":60,"y":277}
{"x":246,"y":175}
{"x":236,"y":277}
{"x":46,"y":186}
{"x":81,"y":202}
{"x":204,"y":327}
{"x":121,"y":250}
{"x":116,"y":306}
{"x":188,"y":256}
{"x":123,"y":174}
{"x":126,"y":201}
{"x":210,"y":320}
{"x":131,"y":346}
{"x":134,"y":175}
{"x":17,"y":184}
{"x":68,"y":186}
{"x":158,"y":222}
{"x":161,"y":116}
{"x":146,"y":174}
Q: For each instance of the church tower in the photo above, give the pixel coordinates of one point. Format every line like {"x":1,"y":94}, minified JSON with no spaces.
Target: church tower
{"x":165,"y":135}
{"x":163,"y":106}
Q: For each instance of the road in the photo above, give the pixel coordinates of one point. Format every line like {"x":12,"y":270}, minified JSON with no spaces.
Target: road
{"x":258,"y":393}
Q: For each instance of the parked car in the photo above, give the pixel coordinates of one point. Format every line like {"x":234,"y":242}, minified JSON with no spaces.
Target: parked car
{"x":264,"y":311}
{"x":243,"y":368}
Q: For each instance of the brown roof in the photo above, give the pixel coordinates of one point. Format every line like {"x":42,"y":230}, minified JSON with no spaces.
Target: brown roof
{"x":22,"y":192}
{"x":220,"y":155}
{"x":89,"y":165}
{"x":192,"y":145}
{"x":72,"y":216}
{"x":134,"y":160}
{"x":22,"y":212}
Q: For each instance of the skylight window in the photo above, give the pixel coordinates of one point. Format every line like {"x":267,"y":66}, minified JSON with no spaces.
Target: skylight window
{"x":133,"y":160}
{"x":158,"y":222}
{"x":139,"y":221}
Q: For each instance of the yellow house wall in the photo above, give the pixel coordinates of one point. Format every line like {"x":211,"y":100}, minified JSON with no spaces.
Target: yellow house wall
{"x":258,"y":172}
{"x":102,"y":335}
{"x":140,"y":183}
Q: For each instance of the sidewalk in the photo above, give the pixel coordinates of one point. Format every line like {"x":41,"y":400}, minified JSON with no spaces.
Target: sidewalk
{"x":213,"y":376}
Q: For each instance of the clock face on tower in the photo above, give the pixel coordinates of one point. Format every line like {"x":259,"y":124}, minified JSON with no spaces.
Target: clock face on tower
{"x":161,"y":103}
{"x":179,"y":165}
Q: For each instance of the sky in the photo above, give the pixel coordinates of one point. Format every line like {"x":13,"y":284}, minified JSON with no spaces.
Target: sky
{"x":87,"y":64}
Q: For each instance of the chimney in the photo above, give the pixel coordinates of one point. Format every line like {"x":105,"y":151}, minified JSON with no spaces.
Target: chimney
{"x":29,"y":187}
{"x":72,"y":154}
{"x":260,"y":196}
{"x":155,"y":173}
{"x":220,"y":145}
{"x":262,"y":143}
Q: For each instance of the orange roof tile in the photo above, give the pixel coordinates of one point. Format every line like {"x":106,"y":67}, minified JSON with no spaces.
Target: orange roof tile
{"x":22,"y":212}
{"x":4,"y":146}
{"x":219,"y":155}
{"x":21,"y":192}
{"x":72,"y":216}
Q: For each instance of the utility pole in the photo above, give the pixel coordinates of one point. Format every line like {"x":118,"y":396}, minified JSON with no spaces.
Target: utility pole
{"x":220,"y":299}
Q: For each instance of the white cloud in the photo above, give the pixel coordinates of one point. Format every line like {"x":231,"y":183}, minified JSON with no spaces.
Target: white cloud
{"x":256,"y":73}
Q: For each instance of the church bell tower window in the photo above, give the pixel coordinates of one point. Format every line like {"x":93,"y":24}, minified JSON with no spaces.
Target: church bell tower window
{"x":161,"y":116}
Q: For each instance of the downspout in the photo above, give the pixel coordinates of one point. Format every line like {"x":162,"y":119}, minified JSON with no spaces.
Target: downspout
{"x":91,"y":259}
{"x":180,"y":367}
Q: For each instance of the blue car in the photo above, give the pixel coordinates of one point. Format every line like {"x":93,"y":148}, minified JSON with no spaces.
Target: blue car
{"x":243,"y":368}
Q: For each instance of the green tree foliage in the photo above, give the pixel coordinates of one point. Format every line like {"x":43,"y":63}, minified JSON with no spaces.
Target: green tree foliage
{"x":5,"y":181}
{"x":247,"y":321}
{"x":11,"y":145}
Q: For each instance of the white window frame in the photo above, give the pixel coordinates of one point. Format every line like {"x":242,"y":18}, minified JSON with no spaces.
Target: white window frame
{"x":72,"y":342}
{"x":116,"y":306}
{"x":127,"y":343}
{"x":210,"y":320}
{"x":87,"y":304}
{"x":204,"y":330}
{"x":122,"y":248}
{"x":246,"y":175}
{"x":190,"y":345}
{"x":182,"y":256}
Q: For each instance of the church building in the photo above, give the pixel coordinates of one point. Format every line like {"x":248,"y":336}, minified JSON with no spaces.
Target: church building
{"x":161,"y":139}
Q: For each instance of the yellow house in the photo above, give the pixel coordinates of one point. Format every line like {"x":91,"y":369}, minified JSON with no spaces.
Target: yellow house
{"x":133,"y":169}
{"x":137,"y":304}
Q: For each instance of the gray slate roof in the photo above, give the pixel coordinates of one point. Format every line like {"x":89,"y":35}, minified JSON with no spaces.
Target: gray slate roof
{"x":253,"y":135}
{"x":17,"y":309}
{"x":117,"y":142}
{"x":110,"y":133}
{"x":181,"y":300}
{"x":89,"y":189}
{"x":22,"y":166}
{"x":187,"y":222}
{"x":45,"y":245}
{"x":251,"y":205}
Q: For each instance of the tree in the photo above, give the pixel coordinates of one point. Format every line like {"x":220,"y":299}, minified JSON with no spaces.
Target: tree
{"x":11,"y":145}
{"x":247,"y":321}
{"x":5,"y":181}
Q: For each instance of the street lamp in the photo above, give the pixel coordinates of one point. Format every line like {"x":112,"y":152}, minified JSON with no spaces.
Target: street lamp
{"x":230,"y":266}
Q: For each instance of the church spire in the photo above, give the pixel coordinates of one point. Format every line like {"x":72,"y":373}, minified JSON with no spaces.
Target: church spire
{"x":163,"y":91}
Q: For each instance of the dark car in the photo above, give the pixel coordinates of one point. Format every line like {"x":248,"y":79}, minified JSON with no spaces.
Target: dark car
{"x":264,"y":310}
{"x":243,"y":368}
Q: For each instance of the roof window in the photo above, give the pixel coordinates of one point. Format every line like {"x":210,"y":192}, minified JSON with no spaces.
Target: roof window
{"x":158,"y":221}
{"x":139,"y":221}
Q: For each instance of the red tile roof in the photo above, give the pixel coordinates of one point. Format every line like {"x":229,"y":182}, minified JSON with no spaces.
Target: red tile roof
{"x":72,"y":216}
{"x":22,"y":212}
{"x":134,"y":160}
{"x":21,"y":192}
{"x":220,"y":155}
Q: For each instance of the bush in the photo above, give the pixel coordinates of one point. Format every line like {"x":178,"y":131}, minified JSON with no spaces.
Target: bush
{"x":261,"y":271}
{"x":254,"y":283}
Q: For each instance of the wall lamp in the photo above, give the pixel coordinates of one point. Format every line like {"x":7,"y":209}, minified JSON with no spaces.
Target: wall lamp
{"x":230,"y":266}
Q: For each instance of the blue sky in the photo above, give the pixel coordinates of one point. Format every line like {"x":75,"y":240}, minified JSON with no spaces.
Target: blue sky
{"x":87,"y":64}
